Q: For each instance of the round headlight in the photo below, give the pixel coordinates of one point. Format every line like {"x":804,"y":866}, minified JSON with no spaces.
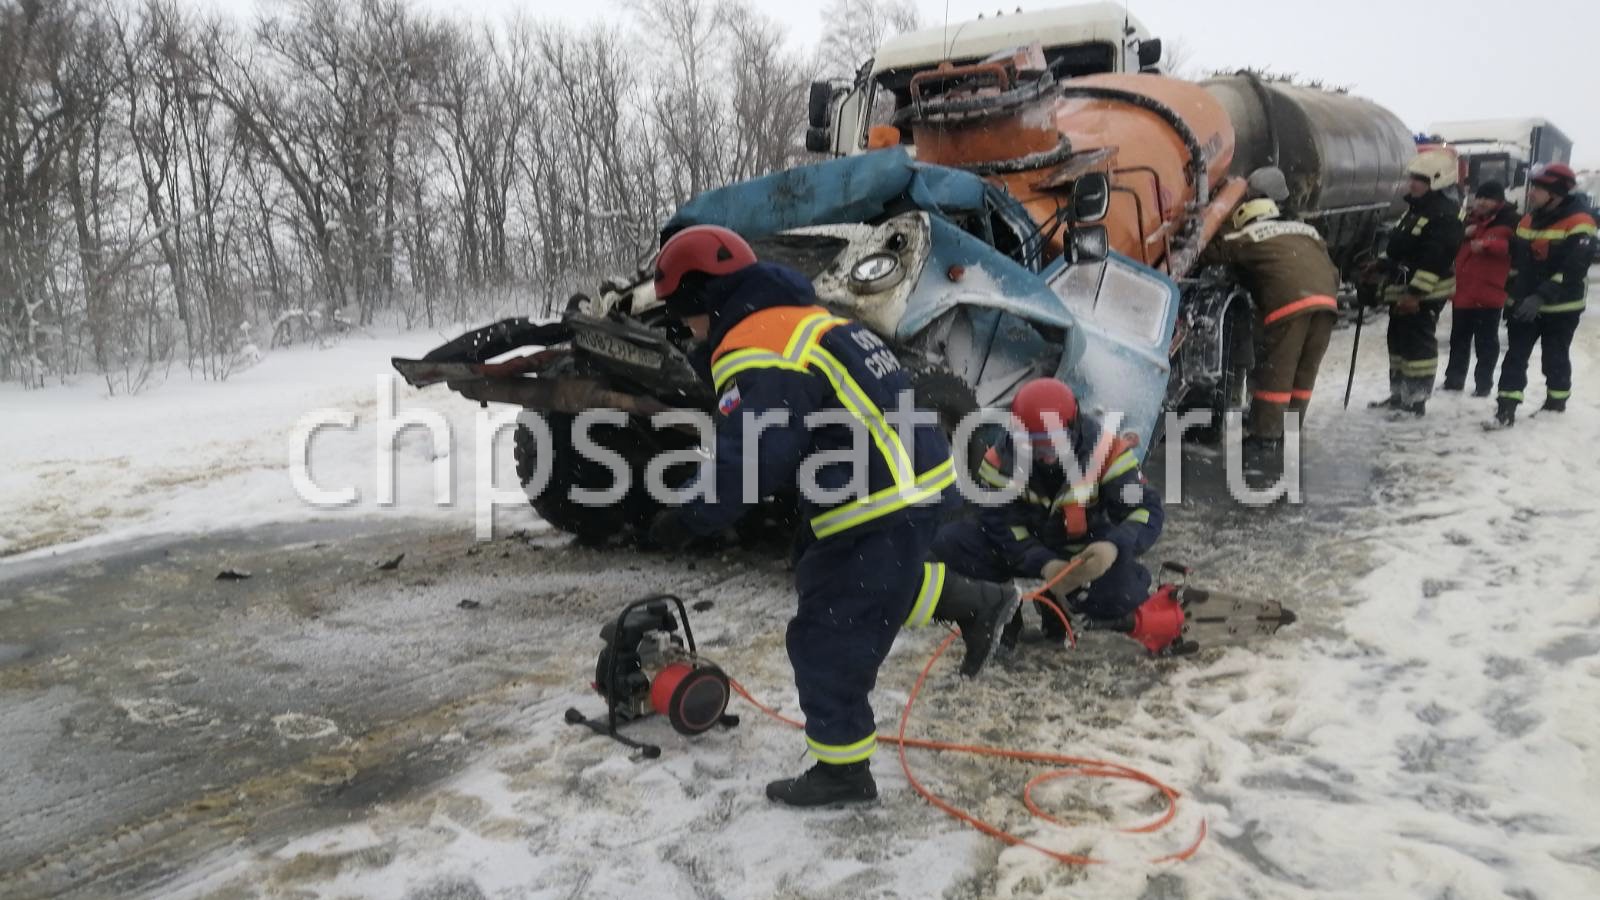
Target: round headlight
{"x":877,"y":272}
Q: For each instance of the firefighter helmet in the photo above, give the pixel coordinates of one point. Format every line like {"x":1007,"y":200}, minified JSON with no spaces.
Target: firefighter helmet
{"x":1439,"y":168}
{"x":1253,"y":210}
{"x":697,"y":253}
{"x":1046,"y":409}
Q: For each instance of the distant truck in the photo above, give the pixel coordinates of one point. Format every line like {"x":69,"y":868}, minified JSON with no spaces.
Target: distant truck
{"x":1085,"y":39}
{"x":1502,"y":150}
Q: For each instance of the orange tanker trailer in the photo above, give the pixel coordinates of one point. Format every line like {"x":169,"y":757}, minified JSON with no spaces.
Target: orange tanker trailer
{"x":1145,"y":166}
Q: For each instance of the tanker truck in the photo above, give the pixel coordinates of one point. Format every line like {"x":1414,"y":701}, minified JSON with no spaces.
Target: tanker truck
{"x":1021,"y":226}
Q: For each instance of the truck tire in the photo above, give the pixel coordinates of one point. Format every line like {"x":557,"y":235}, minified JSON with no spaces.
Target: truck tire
{"x":946,"y":393}
{"x":626,"y":519}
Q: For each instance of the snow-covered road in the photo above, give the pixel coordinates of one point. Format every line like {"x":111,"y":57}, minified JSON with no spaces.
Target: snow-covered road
{"x":328,"y":730}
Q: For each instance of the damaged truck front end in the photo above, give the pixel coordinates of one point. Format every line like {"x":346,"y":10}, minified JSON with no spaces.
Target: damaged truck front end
{"x":944,"y":266}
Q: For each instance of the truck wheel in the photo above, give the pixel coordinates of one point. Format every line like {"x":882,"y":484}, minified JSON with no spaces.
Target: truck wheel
{"x":591,"y":525}
{"x":941,"y":390}
{"x":1238,"y":345}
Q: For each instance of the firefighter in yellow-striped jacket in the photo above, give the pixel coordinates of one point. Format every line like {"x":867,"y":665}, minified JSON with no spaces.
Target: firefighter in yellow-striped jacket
{"x":1419,"y":265}
{"x":1292,"y":280}
{"x":1550,"y":257}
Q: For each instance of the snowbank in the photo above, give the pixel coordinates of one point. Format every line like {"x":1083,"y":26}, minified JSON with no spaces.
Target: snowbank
{"x":202,"y":455}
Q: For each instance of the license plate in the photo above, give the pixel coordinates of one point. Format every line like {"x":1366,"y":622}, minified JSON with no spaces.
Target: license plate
{"x":618,"y":349}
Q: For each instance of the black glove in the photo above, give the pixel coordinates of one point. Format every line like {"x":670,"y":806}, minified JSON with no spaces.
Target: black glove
{"x":669,"y":531}
{"x":1527,"y":309}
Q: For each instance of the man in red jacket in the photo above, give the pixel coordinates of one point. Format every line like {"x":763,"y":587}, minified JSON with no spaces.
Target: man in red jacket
{"x":1482,"y":265}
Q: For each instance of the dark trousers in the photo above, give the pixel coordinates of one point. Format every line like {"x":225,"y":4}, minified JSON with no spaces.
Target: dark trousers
{"x":1554,"y":331}
{"x":1413,"y":352}
{"x":1473,"y":329}
{"x":1287,"y":372}
{"x":969,"y":548}
{"x":855,"y":592}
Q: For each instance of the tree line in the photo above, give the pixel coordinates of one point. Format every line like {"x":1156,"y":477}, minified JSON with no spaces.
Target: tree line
{"x":177,"y":189}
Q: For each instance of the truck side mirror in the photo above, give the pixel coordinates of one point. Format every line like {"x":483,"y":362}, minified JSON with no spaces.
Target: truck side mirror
{"x":1090,"y":243}
{"x":1091,"y":197}
{"x":819,"y":140}
{"x":817,"y":103}
{"x":1149,"y":53}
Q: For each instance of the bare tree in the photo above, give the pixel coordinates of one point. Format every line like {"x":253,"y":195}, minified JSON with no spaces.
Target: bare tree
{"x":853,"y":30}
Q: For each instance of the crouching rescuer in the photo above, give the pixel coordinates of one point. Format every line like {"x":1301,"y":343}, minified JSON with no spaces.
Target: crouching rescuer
{"x":796,"y":385}
{"x":1084,"y":499}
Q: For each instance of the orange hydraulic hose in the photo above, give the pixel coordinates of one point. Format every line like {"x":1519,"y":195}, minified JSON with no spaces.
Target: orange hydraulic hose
{"x":1074,"y":766}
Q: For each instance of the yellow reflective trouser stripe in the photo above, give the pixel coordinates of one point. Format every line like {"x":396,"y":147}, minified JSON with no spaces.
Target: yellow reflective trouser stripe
{"x":1125,"y":463}
{"x":867,"y":413}
{"x":1511,"y":395}
{"x":1418,"y":367}
{"x":1558,"y":278}
{"x":1559,"y":395}
{"x":891,"y":499}
{"x":1019,"y":532}
{"x":927,"y":596}
{"x":1573,"y":306}
{"x":1141,"y":516}
{"x":843,"y":754}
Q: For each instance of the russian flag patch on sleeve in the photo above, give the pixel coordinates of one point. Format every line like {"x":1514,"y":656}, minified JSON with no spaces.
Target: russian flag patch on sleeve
{"x":729,"y":402}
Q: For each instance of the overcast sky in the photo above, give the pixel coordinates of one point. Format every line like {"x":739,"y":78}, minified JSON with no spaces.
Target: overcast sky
{"x":1428,"y":60}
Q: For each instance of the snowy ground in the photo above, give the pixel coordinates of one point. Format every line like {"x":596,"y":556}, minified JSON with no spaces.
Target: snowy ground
{"x":202,"y":455}
{"x":326,"y":729}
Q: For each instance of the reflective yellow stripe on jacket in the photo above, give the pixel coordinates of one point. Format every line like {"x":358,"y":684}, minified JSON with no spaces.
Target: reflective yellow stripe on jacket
{"x":804,"y":353}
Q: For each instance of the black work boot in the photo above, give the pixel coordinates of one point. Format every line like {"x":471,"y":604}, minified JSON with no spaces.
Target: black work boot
{"x":1454,"y":387}
{"x":826,"y":784}
{"x":1480,"y":392}
{"x":1418,"y":409}
{"x":1393,"y":402}
{"x":1505,"y":415}
{"x":1554,"y":404}
{"x":1012,"y":631}
{"x":982,"y":609}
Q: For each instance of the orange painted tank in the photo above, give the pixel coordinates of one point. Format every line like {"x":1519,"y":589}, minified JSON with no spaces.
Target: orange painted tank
{"x":1131,"y":127}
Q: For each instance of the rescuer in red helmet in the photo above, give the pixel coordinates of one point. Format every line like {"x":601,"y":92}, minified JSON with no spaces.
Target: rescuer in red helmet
{"x":1550,"y":258}
{"x":862,"y":570}
{"x":1085,"y":499}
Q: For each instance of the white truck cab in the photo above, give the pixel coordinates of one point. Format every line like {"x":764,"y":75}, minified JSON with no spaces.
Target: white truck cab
{"x":1502,"y":150}
{"x":1085,"y":39}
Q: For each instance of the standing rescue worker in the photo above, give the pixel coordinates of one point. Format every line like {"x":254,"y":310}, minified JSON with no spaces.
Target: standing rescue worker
{"x":1094,"y":506}
{"x":1550,"y":259}
{"x":1482,"y":266}
{"x":1286,"y":267}
{"x":1419,"y":265}
{"x":862,"y":570}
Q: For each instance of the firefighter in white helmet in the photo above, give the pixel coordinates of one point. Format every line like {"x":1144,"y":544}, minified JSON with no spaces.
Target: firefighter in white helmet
{"x":1419,"y":270}
{"x":1286,"y":267}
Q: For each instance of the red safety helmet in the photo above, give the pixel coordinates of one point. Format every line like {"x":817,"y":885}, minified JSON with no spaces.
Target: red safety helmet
{"x":704,"y":250}
{"x":1558,"y":177}
{"x":1047,"y":410}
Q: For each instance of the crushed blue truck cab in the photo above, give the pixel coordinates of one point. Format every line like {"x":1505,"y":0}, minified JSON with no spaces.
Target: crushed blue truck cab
{"x":993,"y":317}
